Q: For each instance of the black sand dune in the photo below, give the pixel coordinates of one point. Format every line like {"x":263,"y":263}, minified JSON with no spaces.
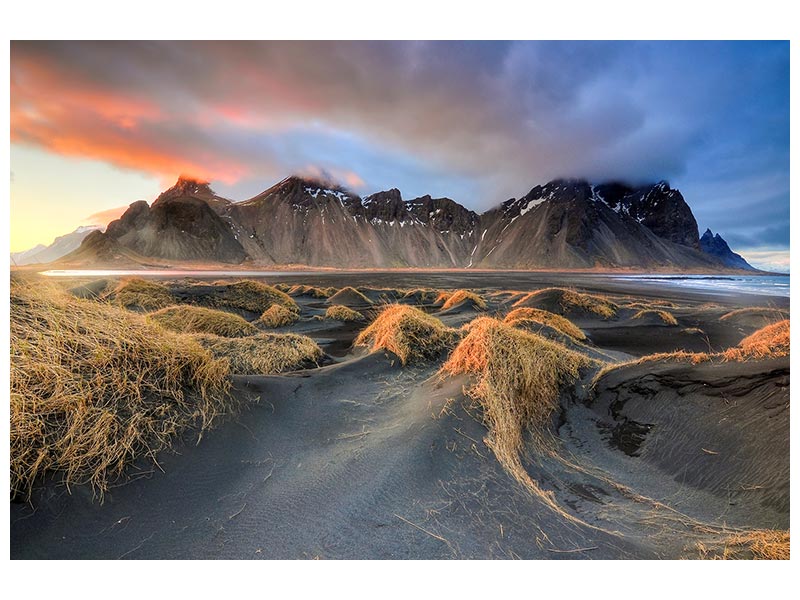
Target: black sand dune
{"x":366,"y":459}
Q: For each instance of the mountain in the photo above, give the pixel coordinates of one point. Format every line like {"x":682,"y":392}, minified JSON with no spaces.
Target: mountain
{"x":565,"y":224}
{"x":715,"y":245}
{"x":61,"y":246}
{"x":182,"y":224}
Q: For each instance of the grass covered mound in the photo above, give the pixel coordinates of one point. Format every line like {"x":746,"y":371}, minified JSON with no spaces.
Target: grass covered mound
{"x":140,"y":294}
{"x":264,"y":353}
{"x":655,"y":317}
{"x":524,"y":316}
{"x":755,"y":317}
{"x":94,"y":387}
{"x":568,"y":302}
{"x":464,"y":298}
{"x":310,"y":290}
{"x":421,"y":296}
{"x":277,"y":315}
{"x":196,"y":319}
{"x":338,"y":312}
{"x":519,"y":378}
{"x":770,"y":341}
{"x":349,"y":296}
{"x":407,"y":332}
{"x":247,"y":295}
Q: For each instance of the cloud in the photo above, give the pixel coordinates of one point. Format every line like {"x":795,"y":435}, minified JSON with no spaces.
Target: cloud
{"x":496,"y":117}
{"x":769,"y":260}
{"x":104,"y":217}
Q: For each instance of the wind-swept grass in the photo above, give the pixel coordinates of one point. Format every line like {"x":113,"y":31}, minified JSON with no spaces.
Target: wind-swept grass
{"x":251,"y":296}
{"x":524,"y":316}
{"x":310,"y":290}
{"x":348,"y":296}
{"x":140,"y":294}
{"x":264,"y":353}
{"x":407,"y":332}
{"x":758,"y":544}
{"x":338,"y":312}
{"x":94,"y":387}
{"x":565,"y":301}
{"x":277,"y":315}
{"x":770,"y":341}
{"x":464,"y":296}
{"x":196,"y":319}
{"x":518,"y":380}
{"x":656,"y":315}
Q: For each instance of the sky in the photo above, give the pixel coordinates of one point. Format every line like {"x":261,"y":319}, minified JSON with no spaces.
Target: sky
{"x":98,"y":125}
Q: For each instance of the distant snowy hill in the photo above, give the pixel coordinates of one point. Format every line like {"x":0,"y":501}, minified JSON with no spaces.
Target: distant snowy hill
{"x":61,"y":246}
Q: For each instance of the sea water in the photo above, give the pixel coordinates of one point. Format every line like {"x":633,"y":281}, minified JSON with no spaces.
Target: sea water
{"x":771,"y":285}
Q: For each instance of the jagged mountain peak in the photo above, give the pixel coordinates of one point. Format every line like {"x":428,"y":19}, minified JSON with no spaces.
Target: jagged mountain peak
{"x":715,"y":245}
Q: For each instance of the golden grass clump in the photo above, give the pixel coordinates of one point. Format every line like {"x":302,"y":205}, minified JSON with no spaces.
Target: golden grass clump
{"x":678,"y":356}
{"x":94,"y":387}
{"x":310,"y":290}
{"x":520,"y":376}
{"x":661,"y":315}
{"x":755,"y":313}
{"x":263,"y":353}
{"x":421,"y":295}
{"x":407,"y":332}
{"x":338,"y":312}
{"x":570,"y":301}
{"x":442,"y":298}
{"x":523,"y":316}
{"x":460,"y":296}
{"x":251,"y":296}
{"x":196,"y":319}
{"x":140,"y":294}
{"x":770,"y":341}
{"x":277,"y":315}
{"x":758,"y":544}
{"x":349,"y":295}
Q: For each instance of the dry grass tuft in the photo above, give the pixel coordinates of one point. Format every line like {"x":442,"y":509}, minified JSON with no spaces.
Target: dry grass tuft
{"x":568,"y":301}
{"x":758,"y":544}
{"x":421,"y":295}
{"x":660,"y":315}
{"x":524,"y":316}
{"x":770,"y":341}
{"x":442,"y":298}
{"x":251,"y":296}
{"x":694,"y":358}
{"x":140,"y":294}
{"x":94,"y":387}
{"x":460,"y":296}
{"x":407,"y":332}
{"x":338,"y":312}
{"x":769,"y":315}
{"x":310,"y":290}
{"x":277,"y":315}
{"x":264,"y":353}
{"x":520,"y":376}
{"x":349,"y":295}
{"x":196,"y":319}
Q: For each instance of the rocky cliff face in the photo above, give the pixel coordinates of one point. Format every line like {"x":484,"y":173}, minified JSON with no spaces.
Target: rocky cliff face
{"x":563,"y":224}
{"x":182,"y":224}
{"x":718,"y":247}
{"x":658,"y":207}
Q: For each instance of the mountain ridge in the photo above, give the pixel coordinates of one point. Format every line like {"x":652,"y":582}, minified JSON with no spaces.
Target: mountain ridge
{"x":566,"y":223}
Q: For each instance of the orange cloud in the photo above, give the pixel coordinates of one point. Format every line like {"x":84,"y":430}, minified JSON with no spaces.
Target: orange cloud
{"x":104,"y":217}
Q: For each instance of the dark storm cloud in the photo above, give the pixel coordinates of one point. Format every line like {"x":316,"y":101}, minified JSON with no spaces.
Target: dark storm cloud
{"x":491,"y":119}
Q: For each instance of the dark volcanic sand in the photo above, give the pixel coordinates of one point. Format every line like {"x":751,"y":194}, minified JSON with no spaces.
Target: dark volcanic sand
{"x":365,"y":459}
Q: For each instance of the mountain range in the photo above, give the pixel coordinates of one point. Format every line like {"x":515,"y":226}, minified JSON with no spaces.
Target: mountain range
{"x":565,"y":224}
